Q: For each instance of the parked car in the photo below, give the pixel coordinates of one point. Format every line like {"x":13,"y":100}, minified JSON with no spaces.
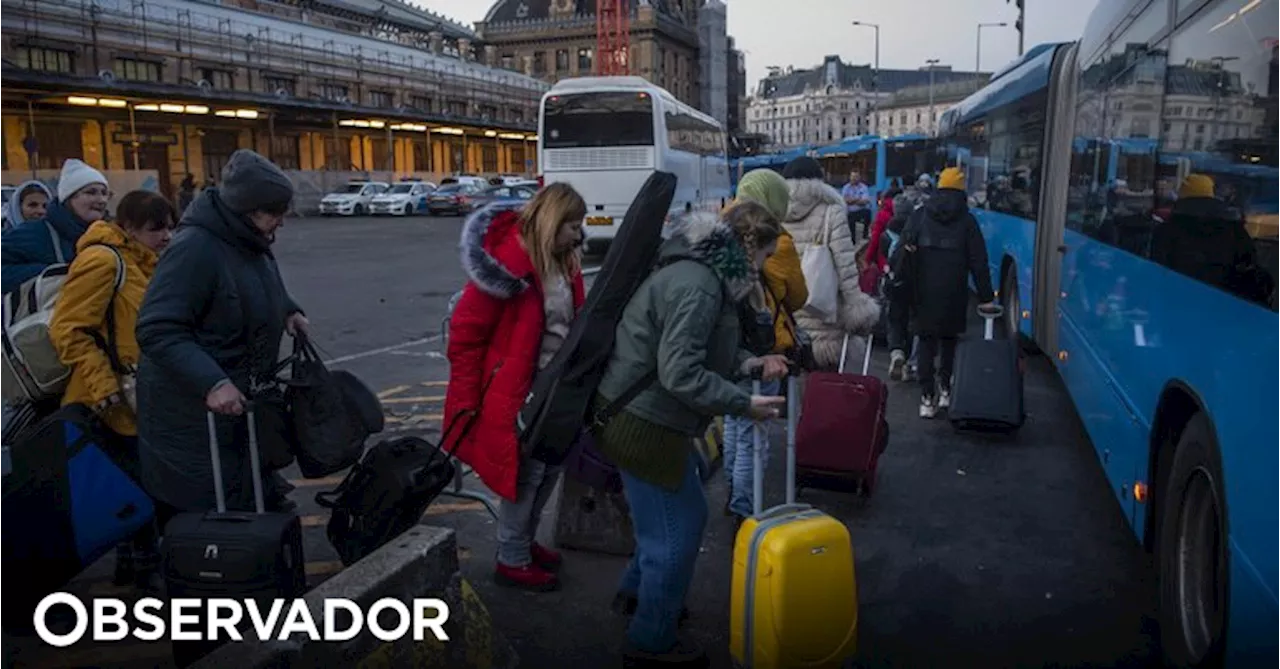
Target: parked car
{"x":403,"y":199}
{"x":354,"y":199}
{"x":517,"y":193}
{"x":455,"y":199}
{"x":478,"y":182}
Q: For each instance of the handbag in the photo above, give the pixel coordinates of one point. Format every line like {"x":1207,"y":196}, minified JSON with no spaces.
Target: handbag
{"x":801,"y":352}
{"x":330,"y":428}
{"x":757,"y":325}
{"x":818,"y":265}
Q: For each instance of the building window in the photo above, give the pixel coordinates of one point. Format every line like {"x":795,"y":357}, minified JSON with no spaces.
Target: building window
{"x":273,"y":83}
{"x":517,"y":115}
{"x":540,"y":62}
{"x":489,"y":112}
{"x":333,"y":91}
{"x":421,"y":102}
{"x":44,"y":60}
{"x":489,"y":155}
{"x":219,"y":79}
{"x":508,"y":61}
{"x":381,"y":99}
{"x":137,"y":70}
{"x":457,"y":107}
{"x":585,"y":60}
{"x":284,"y":151}
{"x":562,"y":60}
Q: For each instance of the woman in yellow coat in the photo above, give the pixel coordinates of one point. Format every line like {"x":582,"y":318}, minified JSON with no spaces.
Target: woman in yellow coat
{"x":79,"y":330}
{"x":783,"y":288}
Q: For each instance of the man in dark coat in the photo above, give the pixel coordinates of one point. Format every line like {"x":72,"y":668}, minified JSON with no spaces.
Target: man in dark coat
{"x":949,"y":247}
{"x":210,"y":325}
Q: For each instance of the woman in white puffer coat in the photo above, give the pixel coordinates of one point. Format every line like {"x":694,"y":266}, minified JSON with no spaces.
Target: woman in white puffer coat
{"x":814,"y":207}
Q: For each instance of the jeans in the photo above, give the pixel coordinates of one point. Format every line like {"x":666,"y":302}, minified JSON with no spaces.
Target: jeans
{"x":518,"y":520}
{"x":739,"y":445}
{"x":929,"y":347}
{"x":668,"y":530}
{"x":862,"y":216}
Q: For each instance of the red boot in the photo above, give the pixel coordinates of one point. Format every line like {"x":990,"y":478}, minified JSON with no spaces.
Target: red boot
{"x":529,"y":577}
{"x":545,"y":557}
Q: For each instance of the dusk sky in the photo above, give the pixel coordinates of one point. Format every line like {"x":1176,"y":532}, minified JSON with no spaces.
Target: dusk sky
{"x":911,"y":31}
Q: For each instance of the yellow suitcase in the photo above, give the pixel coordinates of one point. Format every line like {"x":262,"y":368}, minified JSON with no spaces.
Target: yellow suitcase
{"x":795,"y":596}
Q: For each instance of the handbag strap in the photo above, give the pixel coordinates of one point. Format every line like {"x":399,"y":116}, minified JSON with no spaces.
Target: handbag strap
{"x":110,"y":345}
{"x":602,"y":417}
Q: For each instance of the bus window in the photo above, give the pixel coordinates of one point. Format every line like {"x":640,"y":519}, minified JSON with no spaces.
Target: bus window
{"x":597,"y":120}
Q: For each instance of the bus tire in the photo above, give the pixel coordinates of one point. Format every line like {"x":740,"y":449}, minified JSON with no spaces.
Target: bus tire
{"x":1192,"y":554}
{"x":1011,"y":302}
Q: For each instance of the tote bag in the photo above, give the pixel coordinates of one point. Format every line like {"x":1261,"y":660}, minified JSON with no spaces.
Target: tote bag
{"x":819,"y":267}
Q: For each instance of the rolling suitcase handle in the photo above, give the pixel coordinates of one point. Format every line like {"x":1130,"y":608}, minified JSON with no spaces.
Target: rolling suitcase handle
{"x":866,"y":358}
{"x":757,"y":458}
{"x":989,"y":327}
{"x":216,"y":459}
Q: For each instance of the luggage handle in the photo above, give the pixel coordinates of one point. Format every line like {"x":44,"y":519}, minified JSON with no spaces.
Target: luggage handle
{"x":989,"y":326}
{"x":757,"y":458}
{"x":866,"y":358}
{"x":215,"y":458}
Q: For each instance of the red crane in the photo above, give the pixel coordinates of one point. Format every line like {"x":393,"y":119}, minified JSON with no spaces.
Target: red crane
{"x":613,"y":38}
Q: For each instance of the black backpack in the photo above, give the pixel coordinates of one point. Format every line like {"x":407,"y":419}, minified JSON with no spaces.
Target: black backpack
{"x":560,"y":397}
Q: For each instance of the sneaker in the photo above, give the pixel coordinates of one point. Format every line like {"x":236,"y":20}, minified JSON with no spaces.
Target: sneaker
{"x":529,"y":577}
{"x":624,"y":604}
{"x":898,"y":365}
{"x":928,"y":407}
{"x":944,"y":398}
{"x":545,"y":557}
{"x":683,"y":654}
{"x":912,"y":373}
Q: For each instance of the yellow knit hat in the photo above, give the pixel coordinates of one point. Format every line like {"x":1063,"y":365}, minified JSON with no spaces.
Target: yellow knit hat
{"x":952,"y":178}
{"x":1196,"y":185}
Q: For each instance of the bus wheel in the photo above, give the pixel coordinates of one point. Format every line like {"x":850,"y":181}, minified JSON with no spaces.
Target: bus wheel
{"x":1192,"y":552}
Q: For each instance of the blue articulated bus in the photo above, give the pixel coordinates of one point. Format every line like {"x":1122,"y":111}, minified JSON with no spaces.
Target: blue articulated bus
{"x":1126,"y":185}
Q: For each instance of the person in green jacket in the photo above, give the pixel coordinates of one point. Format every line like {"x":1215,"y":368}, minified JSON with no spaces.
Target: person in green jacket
{"x":679,"y":338}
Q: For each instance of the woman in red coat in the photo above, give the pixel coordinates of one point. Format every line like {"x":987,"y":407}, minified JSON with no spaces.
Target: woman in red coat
{"x":524,"y":289}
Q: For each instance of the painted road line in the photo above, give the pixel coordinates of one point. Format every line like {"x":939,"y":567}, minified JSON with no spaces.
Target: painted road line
{"x":392,"y":391}
{"x":434,"y":355}
{"x":422,"y":399}
{"x":384,"y":349}
{"x":435,"y":384}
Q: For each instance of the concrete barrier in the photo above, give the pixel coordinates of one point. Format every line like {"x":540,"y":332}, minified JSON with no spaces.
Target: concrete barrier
{"x":421,"y":563}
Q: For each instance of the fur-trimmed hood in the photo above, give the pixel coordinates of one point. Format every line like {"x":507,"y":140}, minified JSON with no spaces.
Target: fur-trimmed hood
{"x":702,"y":237}
{"x":807,"y":195}
{"x":492,"y":255}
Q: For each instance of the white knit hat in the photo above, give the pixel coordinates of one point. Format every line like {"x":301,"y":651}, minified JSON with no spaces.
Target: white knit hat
{"x":76,"y":175}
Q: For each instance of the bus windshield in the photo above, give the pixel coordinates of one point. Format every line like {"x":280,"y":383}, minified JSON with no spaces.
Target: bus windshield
{"x":597,"y":120}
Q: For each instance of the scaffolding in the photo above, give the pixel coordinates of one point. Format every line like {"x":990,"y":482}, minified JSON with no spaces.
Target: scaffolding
{"x":284,"y":40}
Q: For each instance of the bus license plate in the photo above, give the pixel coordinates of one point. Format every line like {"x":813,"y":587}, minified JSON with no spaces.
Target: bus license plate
{"x":599,"y":220}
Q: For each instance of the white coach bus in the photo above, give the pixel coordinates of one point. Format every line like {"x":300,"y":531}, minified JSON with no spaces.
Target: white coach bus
{"x":606,"y":135}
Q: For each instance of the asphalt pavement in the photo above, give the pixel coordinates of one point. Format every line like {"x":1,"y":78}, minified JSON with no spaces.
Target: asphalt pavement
{"x":974,"y":550}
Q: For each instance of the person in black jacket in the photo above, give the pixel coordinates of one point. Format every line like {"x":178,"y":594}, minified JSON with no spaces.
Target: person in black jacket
{"x":949,"y":247}
{"x":210,"y":326}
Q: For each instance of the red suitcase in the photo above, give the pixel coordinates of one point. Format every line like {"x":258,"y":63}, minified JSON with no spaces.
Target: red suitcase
{"x":842,"y":429}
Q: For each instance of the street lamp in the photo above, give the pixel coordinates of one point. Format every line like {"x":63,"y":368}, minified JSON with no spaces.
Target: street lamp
{"x":875,"y":79}
{"x":931,"y":62}
{"x":977,"y":64}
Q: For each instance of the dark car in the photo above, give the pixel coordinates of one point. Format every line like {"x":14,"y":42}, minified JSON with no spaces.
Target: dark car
{"x":456,"y":199}
{"x":520,"y":193}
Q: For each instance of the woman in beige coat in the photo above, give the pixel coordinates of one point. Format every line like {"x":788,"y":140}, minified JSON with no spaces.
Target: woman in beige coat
{"x":814,"y":208}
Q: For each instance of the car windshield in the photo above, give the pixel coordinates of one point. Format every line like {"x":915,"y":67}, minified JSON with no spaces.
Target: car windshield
{"x":453,"y":188}
{"x":400,"y":189}
{"x":352,"y":188}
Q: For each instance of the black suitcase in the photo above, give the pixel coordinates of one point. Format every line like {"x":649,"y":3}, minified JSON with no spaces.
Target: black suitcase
{"x":232,"y":554}
{"x":986,"y":393}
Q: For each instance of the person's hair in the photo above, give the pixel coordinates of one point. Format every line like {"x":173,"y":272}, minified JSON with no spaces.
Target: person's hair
{"x":550,"y":208}
{"x":143,"y":210}
{"x":753,"y":224}
{"x":32,"y":189}
{"x":803,"y":167}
